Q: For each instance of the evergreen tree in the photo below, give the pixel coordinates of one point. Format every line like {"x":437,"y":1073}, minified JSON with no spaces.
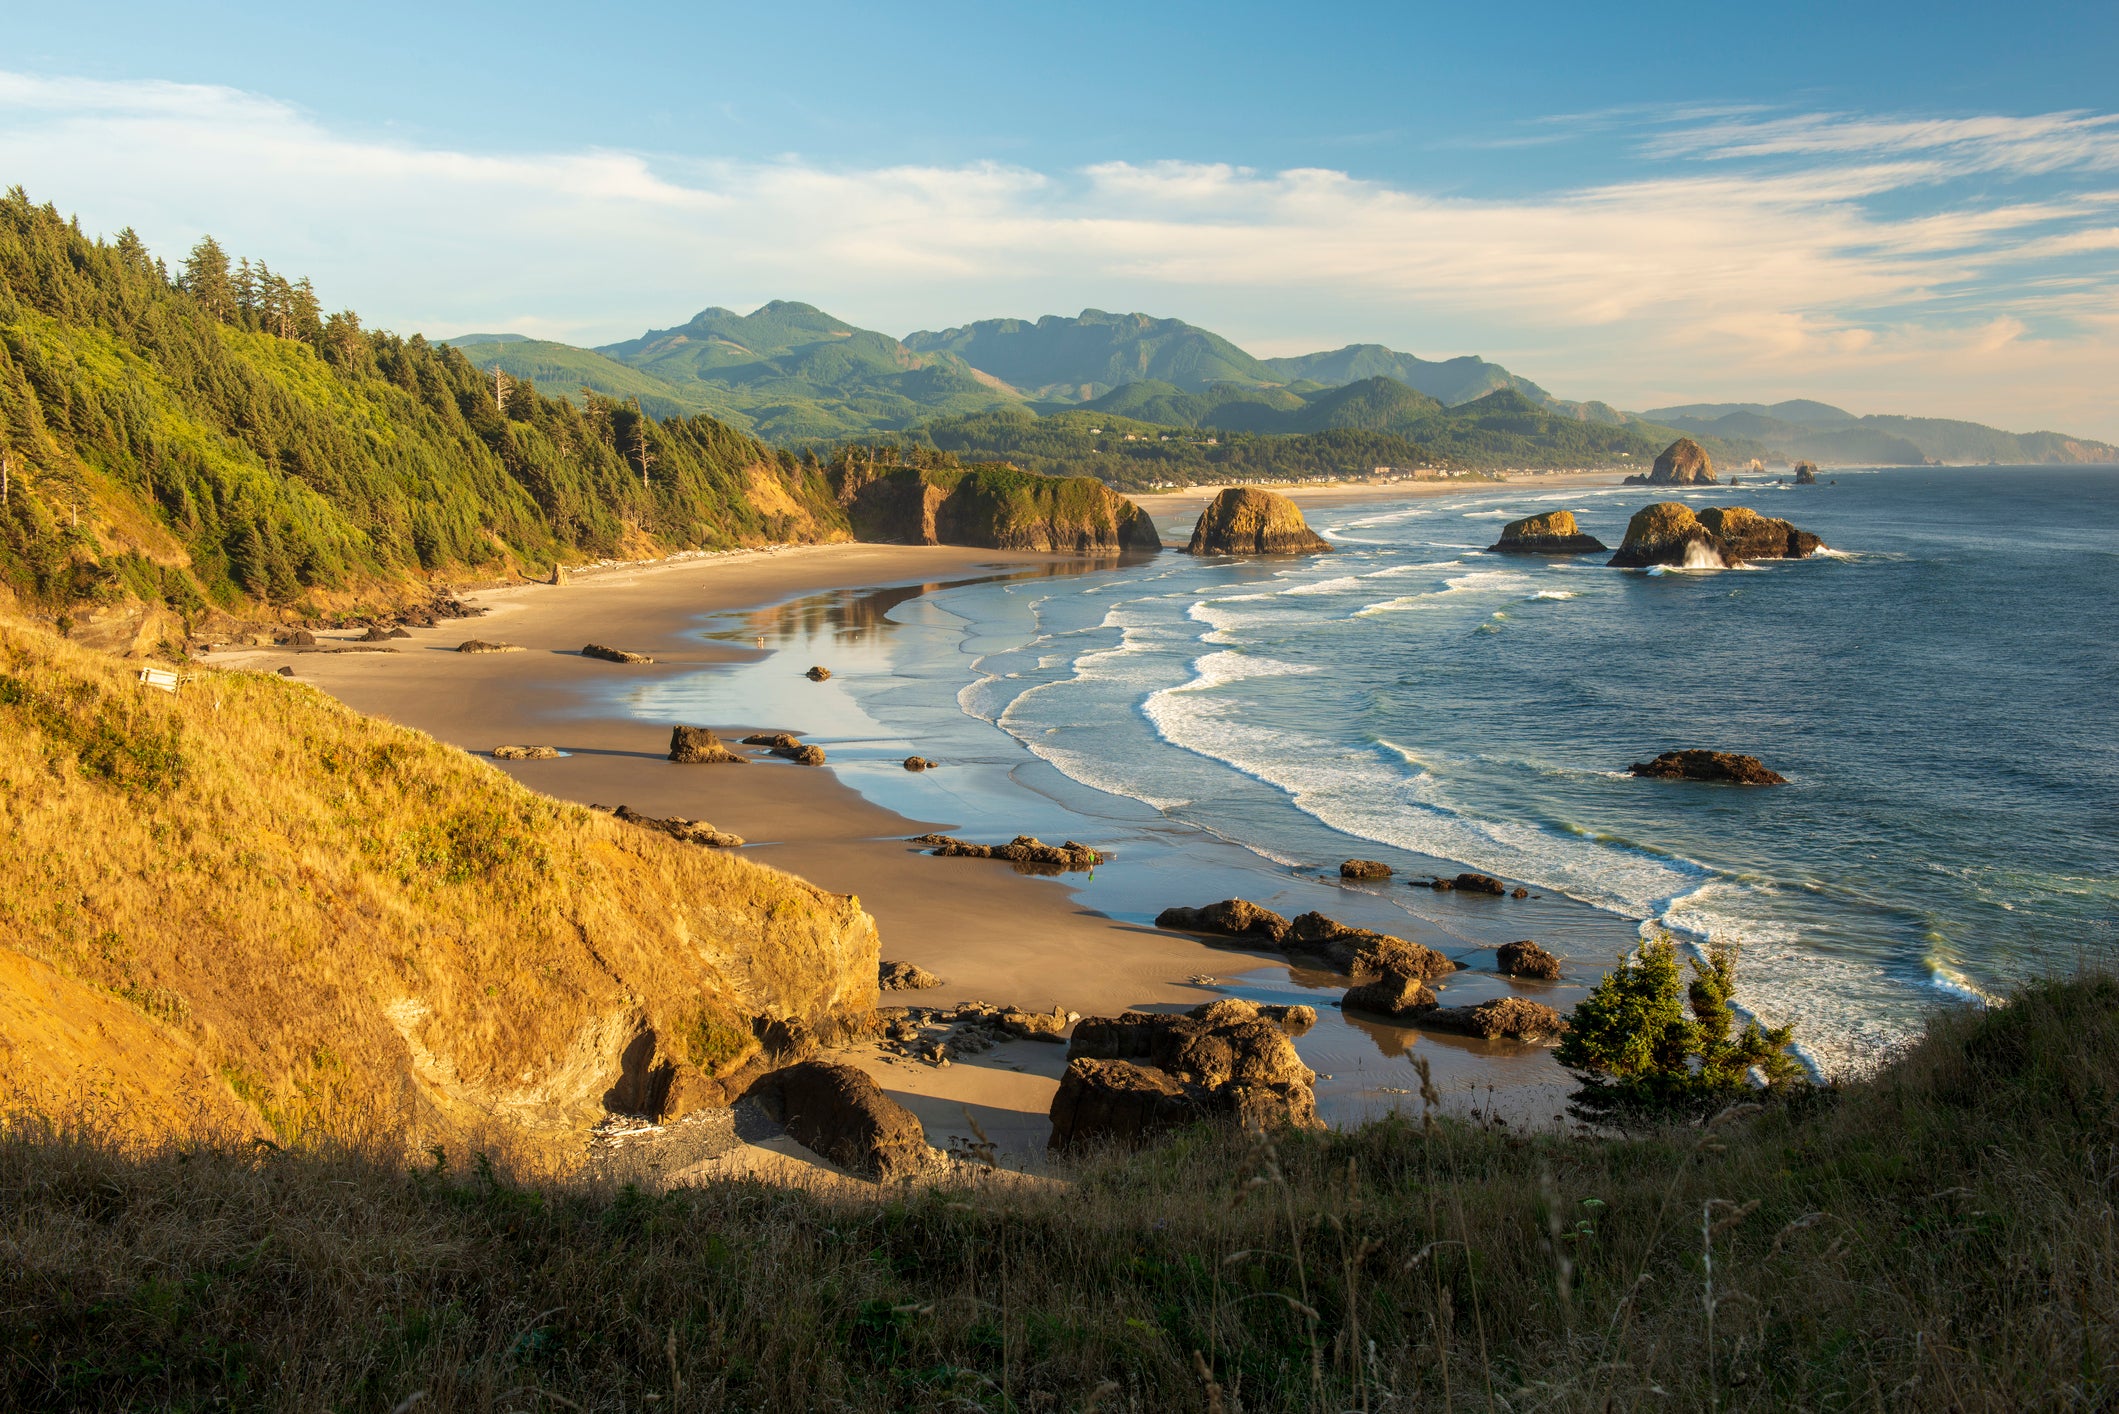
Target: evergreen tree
{"x":207,"y":280}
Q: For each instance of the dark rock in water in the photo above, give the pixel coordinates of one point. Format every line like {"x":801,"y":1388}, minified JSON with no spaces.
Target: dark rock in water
{"x":1023,"y":849}
{"x":838,"y":1112}
{"x":1232,"y":917}
{"x":1682,"y":463}
{"x":1393,"y":994}
{"x":1364,"y":869}
{"x":699,"y":746}
{"x":818,"y":674}
{"x":1554,"y":533}
{"x":614,"y":655}
{"x":904,"y":977}
{"x":1133,"y":1076}
{"x":920,"y":763}
{"x":1479,"y":884}
{"x":1364,"y":952}
{"x":1806,"y":473}
{"x":1245,"y":520}
{"x":479,"y":645}
{"x":1709,"y":766}
{"x":677,"y":828}
{"x":1440,"y":885}
{"x":1527,"y":959}
{"x":1670,"y":534}
{"x":1509,"y":1018}
{"x":1519,"y":892}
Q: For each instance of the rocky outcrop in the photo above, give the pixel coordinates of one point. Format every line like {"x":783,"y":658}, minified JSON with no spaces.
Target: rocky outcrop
{"x":1719,"y":766}
{"x":614,"y":655}
{"x":818,"y":674}
{"x":1526,"y":959}
{"x":920,"y":763}
{"x":1133,"y":1076}
{"x":1668,"y":533}
{"x":1364,"y":869}
{"x":904,"y":977}
{"x":1682,"y":463}
{"x":1247,"y":520}
{"x":699,"y":746}
{"x":838,"y":1112}
{"x":376,"y":634}
{"x":1470,"y":883}
{"x":992,"y":507}
{"x":1554,"y":533}
{"x":1503,"y":1018}
{"x":1364,"y":952}
{"x":525,"y":753}
{"x":939,"y":1036}
{"x":788,"y":746}
{"x":1023,"y":849}
{"x":1231,"y":918}
{"x":1806,"y":473}
{"x":1393,"y":994}
{"x":479,"y":645}
{"x":676,"y":827}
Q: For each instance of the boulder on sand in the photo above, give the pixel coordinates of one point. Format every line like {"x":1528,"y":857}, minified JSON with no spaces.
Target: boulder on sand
{"x":788,"y":745}
{"x":1132,"y":1076}
{"x":818,"y":674}
{"x":838,"y":1112}
{"x":1364,"y":869}
{"x":1526,"y":959}
{"x":1232,"y":917}
{"x":479,"y":645}
{"x":613,"y":655}
{"x":1720,"y":766}
{"x":1247,"y":520}
{"x":1554,"y":533}
{"x":699,"y":746}
{"x":904,"y":977}
{"x":920,"y":763}
{"x":1023,"y":849}
{"x":525,"y":753}
{"x":1682,"y":463}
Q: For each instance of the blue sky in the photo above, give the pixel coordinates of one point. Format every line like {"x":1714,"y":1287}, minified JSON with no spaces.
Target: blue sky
{"x":1894,"y":207}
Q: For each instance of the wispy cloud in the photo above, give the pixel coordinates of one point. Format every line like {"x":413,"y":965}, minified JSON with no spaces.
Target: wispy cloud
{"x":1756,"y":255}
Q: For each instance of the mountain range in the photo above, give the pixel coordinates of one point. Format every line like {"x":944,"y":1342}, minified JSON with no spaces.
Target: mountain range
{"x":793,"y":375}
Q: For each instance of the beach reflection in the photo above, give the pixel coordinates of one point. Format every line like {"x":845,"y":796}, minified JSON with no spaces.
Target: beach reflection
{"x":845,"y":615}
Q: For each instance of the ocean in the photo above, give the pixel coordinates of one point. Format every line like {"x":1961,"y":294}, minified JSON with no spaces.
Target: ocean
{"x":1938,"y":688}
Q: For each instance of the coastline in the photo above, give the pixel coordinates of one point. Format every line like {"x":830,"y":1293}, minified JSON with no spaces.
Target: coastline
{"x":995,"y":935}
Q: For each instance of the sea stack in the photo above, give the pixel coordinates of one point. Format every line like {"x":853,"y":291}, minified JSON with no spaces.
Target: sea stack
{"x":1247,"y":520}
{"x":1554,"y":533}
{"x":1683,"y":463}
{"x":1806,"y":473}
{"x":1668,"y":533}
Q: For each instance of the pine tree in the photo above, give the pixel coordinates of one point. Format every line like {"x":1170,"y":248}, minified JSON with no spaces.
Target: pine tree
{"x":206,"y":278}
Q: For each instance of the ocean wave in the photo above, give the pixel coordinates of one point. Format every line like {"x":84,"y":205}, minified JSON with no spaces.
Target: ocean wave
{"x":1550,"y":594}
{"x":1326,"y":586}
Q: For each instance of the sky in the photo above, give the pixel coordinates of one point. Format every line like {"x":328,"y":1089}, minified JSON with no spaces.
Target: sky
{"x":1892,"y":207}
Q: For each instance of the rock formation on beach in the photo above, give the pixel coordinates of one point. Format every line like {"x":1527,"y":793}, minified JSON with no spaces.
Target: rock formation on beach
{"x":837,"y":1111}
{"x":904,"y":977}
{"x":1709,"y":766}
{"x":920,"y":763}
{"x":1364,"y":869}
{"x":818,"y":674}
{"x":479,"y":645}
{"x":525,"y":753}
{"x":1682,"y":463}
{"x":1023,"y":849}
{"x":1525,"y":958}
{"x":993,"y":507}
{"x":1248,"y":520}
{"x":695,"y":746}
{"x":1364,"y":952}
{"x":1554,"y":533}
{"x":1231,"y":918}
{"x":1393,"y":994}
{"x":614,"y":655}
{"x":1133,"y":1076}
{"x":1668,"y":533}
{"x":676,"y":827}
{"x":1470,"y":883}
{"x":1503,"y":1018}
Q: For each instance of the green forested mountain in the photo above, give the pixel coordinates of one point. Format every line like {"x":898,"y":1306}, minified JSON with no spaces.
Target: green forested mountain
{"x":1449,"y":381}
{"x":1823,"y":433}
{"x":213,"y":440}
{"x":564,"y":370}
{"x":1074,"y":360}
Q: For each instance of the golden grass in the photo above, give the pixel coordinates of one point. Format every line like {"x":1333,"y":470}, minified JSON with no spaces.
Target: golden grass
{"x":1942,"y":1237}
{"x":296,"y":908}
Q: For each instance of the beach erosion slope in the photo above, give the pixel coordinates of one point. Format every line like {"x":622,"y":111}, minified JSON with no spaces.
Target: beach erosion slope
{"x":244,"y":906}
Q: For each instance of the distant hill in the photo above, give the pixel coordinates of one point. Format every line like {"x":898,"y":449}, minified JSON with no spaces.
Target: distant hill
{"x":563,"y":369}
{"x":1801,"y":428}
{"x":1078,"y":359}
{"x":1450,"y":381}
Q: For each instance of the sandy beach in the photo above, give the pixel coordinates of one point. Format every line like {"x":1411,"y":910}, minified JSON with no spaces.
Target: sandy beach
{"x":994,"y":934}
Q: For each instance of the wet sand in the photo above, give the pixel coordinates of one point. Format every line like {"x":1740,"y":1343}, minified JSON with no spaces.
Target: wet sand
{"x":994,"y":934}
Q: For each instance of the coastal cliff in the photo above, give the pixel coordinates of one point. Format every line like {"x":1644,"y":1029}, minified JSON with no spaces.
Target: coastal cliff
{"x":992,"y":507}
{"x":1247,"y":520}
{"x":244,"y":906}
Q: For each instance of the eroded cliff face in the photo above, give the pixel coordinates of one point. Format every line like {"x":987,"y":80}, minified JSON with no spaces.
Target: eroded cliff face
{"x":246,"y":906}
{"x":1249,"y":520}
{"x":995,"y":508}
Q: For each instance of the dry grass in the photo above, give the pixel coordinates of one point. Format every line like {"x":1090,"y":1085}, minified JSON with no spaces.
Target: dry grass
{"x":248,"y":905}
{"x":1940,"y":1237}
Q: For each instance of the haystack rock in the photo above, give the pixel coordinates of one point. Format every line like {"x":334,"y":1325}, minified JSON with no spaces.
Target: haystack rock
{"x":1806,"y":473}
{"x":1247,"y":520}
{"x":1554,"y":533}
{"x":1683,"y":463}
{"x":1668,"y":533}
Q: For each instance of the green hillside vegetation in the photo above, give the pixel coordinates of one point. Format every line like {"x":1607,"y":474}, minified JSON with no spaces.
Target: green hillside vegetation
{"x":1448,"y":381}
{"x":1939,"y":1237}
{"x":213,"y":442}
{"x":910,"y":496}
{"x":794,"y":375}
{"x":565,"y":370}
{"x":1819,"y":432}
{"x":1074,"y":360}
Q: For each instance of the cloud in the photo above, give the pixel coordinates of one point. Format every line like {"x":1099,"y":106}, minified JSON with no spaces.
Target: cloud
{"x":1755,"y":254}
